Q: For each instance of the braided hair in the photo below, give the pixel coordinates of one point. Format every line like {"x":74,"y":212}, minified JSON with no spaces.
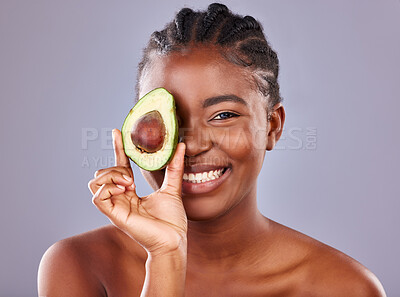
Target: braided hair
{"x":241,"y":40}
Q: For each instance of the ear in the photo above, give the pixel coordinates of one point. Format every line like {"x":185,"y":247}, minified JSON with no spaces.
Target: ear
{"x":276,"y":120}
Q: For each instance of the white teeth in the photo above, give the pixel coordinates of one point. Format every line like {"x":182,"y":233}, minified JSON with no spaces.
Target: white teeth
{"x":203,"y":176}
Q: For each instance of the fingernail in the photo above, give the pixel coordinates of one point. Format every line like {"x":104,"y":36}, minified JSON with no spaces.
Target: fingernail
{"x":121,"y":187}
{"x":128,"y":178}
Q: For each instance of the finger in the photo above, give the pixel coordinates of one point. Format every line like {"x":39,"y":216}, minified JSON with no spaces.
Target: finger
{"x":102,"y":198}
{"x":123,"y":170}
{"x":112,"y":176}
{"x":115,"y":205}
{"x":174,"y":171}
{"x":120,"y":158}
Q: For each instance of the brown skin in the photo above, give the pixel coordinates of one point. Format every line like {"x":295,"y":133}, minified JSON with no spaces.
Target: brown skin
{"x":232,"y":249}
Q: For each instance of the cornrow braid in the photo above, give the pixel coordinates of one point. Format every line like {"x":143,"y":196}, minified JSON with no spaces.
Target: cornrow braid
{"x":241,"y":40}
{"x":215,"y":14}
{"x":184,"y":25}
{"x":239,"y":28}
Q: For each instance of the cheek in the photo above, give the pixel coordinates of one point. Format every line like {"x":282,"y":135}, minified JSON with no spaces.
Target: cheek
{"x":243,"y":143}
{"x":245,"y":147}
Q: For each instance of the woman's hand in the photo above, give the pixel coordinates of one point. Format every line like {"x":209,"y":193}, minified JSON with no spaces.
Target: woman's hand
{"x":158,"y":221}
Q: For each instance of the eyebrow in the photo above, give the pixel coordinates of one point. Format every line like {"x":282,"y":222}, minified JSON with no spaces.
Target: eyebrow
{"x":218,"y":99}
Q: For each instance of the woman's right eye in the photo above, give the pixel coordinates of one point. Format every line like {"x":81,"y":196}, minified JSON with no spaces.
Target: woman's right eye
{"x":225,"y":115}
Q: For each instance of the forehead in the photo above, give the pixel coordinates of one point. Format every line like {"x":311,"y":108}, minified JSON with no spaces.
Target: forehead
{"x":200,"y":73}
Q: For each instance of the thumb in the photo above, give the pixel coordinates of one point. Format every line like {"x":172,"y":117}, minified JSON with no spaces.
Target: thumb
{"x":174,"y":171}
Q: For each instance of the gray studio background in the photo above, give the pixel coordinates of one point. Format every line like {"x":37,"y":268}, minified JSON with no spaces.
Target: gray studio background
{"x":67,"y":73}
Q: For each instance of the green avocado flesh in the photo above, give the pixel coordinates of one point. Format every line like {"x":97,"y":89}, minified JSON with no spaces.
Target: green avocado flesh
{"x":150,"y":130}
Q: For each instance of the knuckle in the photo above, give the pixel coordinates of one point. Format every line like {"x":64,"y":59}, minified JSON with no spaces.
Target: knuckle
{"x":104,"y":188}
{"x":99,"y":192}
{"x":95,"y":199}
{"x":103,"y":171}
{"x":110,"y":191}
{"x":110,"y":172}
{"x":121,"y":169}
{"x":116,"y":172}
{"x":127,"y":171}
{"x":173,"y":168}
{"x":90,"y":183}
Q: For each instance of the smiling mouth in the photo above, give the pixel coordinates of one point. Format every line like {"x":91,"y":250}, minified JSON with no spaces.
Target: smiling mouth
{"x":202,"y":177}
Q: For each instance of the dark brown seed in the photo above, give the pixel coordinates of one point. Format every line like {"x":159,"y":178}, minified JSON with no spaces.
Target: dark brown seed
{"x":148,"y":133}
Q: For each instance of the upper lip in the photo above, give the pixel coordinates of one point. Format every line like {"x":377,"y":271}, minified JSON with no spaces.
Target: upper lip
{"x":196,"y":168}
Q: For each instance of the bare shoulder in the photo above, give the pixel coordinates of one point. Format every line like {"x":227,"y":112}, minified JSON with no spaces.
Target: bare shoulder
{"x":65,"y":268}
{"x":334,"y":273}
{"x":77,"y":266}
{"x":328,"y":272}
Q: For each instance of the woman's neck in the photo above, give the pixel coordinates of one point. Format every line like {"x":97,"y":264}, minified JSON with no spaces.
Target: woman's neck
{"x":223,"y":241}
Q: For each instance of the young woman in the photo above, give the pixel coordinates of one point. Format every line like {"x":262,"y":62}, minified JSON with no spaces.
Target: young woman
{"x":196,"y":235}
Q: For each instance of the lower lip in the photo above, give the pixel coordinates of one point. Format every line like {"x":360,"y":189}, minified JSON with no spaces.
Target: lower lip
{"x":205,"y":187}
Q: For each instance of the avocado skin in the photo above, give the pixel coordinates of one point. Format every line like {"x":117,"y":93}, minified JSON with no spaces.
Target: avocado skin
{"x":148,"y":161}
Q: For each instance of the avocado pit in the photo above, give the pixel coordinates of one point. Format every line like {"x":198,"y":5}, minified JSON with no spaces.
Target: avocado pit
{"x":148,"y":132}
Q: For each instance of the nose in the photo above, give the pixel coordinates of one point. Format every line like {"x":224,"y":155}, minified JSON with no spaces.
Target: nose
{"x":197,"y":139}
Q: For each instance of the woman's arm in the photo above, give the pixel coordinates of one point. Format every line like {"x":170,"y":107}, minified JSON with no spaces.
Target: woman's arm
{"x":157,"y":222}
{"x":165,"y":274}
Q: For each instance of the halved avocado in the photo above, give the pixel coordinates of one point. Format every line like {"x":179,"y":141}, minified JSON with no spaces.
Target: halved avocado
{"x":150,"y":130}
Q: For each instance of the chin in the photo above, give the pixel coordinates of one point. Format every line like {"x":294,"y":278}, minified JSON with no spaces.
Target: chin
{"x":205,"y":216}
{"x":202,"y":208}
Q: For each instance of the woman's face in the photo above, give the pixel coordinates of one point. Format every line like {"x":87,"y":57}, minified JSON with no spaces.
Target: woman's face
{"x":223,"y":122}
